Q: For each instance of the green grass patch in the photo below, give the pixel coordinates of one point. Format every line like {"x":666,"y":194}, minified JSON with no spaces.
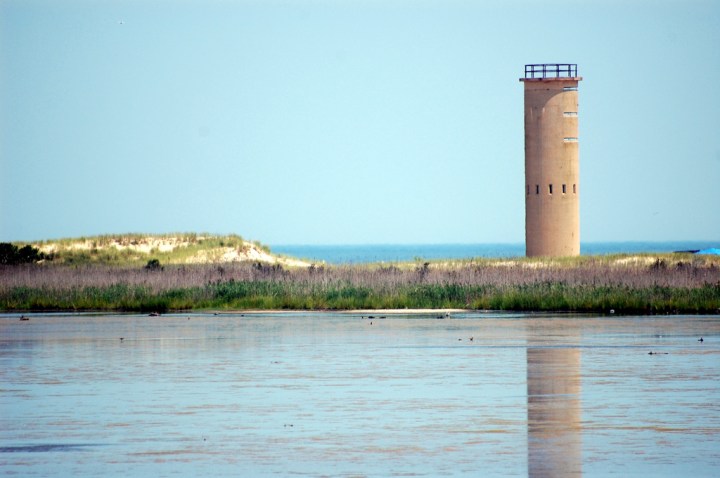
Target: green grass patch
{"x":273,"y":295}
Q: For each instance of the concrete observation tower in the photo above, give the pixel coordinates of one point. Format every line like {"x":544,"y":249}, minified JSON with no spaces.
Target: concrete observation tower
{"x":552,"y":169}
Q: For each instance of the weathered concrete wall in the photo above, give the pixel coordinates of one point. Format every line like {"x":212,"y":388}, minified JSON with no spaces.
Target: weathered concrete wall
{"x":552,"y":187}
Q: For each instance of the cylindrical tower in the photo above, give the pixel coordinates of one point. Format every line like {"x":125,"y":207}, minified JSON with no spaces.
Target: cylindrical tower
{"x":552,"y":173}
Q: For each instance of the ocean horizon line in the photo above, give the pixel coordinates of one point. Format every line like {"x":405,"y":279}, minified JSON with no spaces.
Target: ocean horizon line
{"x":522,"y":243}
{"x":369,"y":253}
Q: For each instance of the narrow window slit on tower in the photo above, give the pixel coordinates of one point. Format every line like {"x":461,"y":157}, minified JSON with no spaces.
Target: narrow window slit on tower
{"x":564,"y":188}
{"x":537,"y":189}
{"x":550,"y":188}
{"x":574,"y":189}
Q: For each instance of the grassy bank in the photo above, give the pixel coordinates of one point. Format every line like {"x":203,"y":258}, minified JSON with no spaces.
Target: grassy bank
{"x":670,"y":283}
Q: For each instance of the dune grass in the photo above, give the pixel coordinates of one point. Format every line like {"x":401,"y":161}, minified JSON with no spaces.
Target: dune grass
{"x":136,"y":249}
{"x":645,"y":284}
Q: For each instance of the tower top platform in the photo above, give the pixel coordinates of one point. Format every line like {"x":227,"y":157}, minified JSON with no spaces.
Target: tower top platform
{"x":551,"y":72}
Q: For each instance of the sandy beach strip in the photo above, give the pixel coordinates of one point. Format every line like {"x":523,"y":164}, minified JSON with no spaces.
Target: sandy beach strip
{"x":362,"y":312}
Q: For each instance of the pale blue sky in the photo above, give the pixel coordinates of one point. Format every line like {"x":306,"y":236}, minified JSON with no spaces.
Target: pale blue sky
{"x":357,"y":121}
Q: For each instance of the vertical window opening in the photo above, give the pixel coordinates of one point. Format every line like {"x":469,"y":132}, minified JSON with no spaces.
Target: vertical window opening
{"x":574,"y":189}
{"x":537,"y":189}
{"x":550,"y":188}
{"x":564,"y":189}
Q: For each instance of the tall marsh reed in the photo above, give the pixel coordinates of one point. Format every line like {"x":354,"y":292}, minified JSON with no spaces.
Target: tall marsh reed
{"x":666,"y":284}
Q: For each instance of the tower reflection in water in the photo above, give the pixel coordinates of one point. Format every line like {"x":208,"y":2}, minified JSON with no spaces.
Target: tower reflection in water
{"x":554,"y":412}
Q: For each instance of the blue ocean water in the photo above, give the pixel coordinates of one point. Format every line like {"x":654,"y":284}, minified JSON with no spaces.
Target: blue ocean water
{"x":364,"y":253}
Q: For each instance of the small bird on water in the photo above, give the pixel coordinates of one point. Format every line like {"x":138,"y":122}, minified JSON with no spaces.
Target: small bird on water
{"x":701,"y":339}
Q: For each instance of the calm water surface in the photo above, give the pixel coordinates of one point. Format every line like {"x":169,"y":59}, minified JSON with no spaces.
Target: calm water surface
{"x":363,"y":253}
{"x":323,"y":394}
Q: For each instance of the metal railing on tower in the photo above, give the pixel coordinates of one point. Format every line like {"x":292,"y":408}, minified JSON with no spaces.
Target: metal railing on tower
{"x":551,"y":70}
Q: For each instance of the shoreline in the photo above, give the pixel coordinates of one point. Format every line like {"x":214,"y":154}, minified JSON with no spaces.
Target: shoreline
{"x":436,"y":314}
{"x":241,"y":312}
{"x":447,"y":313}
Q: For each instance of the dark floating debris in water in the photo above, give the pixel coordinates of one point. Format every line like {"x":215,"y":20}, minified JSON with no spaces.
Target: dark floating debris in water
{"x":22,"y":317}
{"x":701,"y":340}
{"x":657,"y":353}
{"x":45,"y":447}
{"x":154,"y":314}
